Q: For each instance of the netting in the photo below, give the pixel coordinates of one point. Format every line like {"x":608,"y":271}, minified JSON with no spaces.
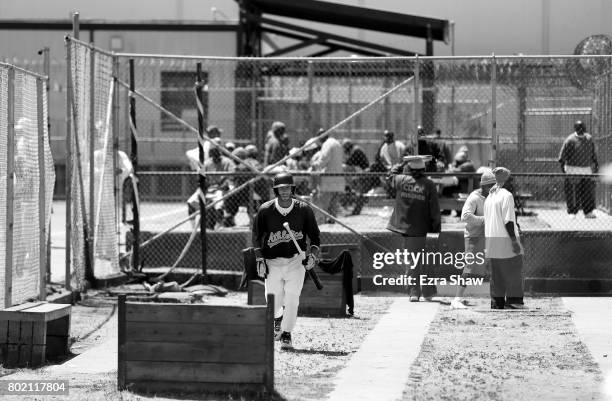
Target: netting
{"x":4,"y":99}
{"x":32,"y":162}
{"x":93,"y":211}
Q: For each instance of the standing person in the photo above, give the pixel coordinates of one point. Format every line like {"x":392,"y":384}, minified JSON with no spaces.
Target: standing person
{"x":278,"y":260}
{"x":577,"y":156}
{"x":416,"y":213}
{"x":356,"y":162}
{"x":391,"y":151}
{"x":213,"y":132}
{"x":503,"y":245}
{"x":444,"y":155}
{"x":276,"y":144}
{"x":473,"y":217}
{"x":329,"y":160}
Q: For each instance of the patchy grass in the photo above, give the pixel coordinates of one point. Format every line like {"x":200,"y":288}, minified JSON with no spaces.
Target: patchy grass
{"x":479,"y":354}
{"x":322,"y":347}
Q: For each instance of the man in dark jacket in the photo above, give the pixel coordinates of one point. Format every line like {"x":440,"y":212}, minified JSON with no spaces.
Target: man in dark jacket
{"x":416,"y":213}
{"x":356,"y":162}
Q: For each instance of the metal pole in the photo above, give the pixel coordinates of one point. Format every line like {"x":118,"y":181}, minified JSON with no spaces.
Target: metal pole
{"x":134,"y":160}
{"x":75,"y":25}
{"x":90,"y":269}
{"x":68,"y":166}
{"x":310,"y":123}
{"x":494,"y":139}
{"x":42,"y":207}
{"x":201,"y":176}
{"x":349,"y":126}
{"x":10,"y":176}
{"x":118,"y":186}
{"x":453,"y":89}
{"x":414,"y":138}
{"x":45,"y":52}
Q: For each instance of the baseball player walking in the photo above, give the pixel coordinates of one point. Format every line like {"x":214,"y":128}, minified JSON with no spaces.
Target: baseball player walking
{"x":278,"y":259}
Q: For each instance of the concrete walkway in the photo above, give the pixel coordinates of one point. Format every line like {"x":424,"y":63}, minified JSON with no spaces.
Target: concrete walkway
{"x":593,"y":319}
{"x":379,"y":370}
{"x":99,"y":359}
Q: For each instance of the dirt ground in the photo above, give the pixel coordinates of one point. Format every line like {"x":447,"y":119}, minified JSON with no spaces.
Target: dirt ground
{"x":480,"y":354}
{"x":322,"y":347}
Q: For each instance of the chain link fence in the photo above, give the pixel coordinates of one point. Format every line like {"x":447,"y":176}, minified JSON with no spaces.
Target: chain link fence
{"x":92,"y":246}
{"x":474,"y":112}
{"x":27,"y":178}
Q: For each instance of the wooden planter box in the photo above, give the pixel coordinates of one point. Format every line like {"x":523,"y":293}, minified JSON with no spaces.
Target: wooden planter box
{"x":193,"y":347}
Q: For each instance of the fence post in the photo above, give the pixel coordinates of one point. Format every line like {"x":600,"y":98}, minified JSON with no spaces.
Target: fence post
{"x":134,"y":160}
{"x":310,"y":123}
{"x":201,"y":176}
{"x":413,"y":138}
{"x":494,"y":138}
{"x":45,"y":52}
{"x":68,"y":166}
{"x":42,"y":207}
{"x":118,"y":186}
{"x":75,"y":25}
{"x":10,"y":174}
{"x":90,"y":269}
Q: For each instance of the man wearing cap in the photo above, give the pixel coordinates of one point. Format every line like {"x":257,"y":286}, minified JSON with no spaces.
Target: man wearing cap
{"x":278,"y":259}
{"x":472,"y":215}
{"x":276,"y":144}
{"x":503,"y":245}
{"x":391,"y":151}
{"x":578,"y":156}
{"x":416,"y":213}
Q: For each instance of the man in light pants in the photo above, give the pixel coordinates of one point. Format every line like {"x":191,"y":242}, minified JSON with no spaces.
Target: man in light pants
{"x":278,"y":259}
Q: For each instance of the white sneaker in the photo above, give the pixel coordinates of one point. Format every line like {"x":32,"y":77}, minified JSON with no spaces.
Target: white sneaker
{"x":572,"y":216}
{"x":456,"y":304}
{"x":589,"y":216}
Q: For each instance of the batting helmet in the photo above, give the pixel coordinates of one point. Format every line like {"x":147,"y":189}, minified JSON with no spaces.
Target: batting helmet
{"x":283,"y":180}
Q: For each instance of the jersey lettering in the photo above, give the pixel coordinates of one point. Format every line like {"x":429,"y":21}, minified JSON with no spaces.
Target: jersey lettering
{"x":283,"y":236}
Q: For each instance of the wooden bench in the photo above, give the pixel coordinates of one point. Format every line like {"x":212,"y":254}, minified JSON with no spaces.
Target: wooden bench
{"x":520,"y":202}
{"x":195,"y":347}
{"x":33,"y":332}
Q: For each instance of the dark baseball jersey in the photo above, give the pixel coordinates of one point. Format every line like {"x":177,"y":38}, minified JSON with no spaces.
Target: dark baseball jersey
{"x":417,"y":211}
{"x":270,"y":235}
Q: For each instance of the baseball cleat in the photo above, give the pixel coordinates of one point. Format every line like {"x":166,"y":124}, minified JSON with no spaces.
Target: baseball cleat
{"x":456,"y":304}
{"x":277,"y":328}
{"x":414,"y":298}
{"x":285,"y":339}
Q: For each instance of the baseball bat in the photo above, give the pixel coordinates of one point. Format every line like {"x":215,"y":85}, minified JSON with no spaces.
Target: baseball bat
{"x":312,"y":273}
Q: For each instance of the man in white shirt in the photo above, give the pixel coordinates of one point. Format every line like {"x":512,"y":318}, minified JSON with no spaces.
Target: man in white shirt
{"x":503,"y":245}
{"x":474,"y":233}
{"x":391,"y":151}
{"x":329,"y":160}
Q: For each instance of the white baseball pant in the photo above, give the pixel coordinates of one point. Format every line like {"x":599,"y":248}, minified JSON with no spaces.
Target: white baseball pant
{"x":285,"y":280}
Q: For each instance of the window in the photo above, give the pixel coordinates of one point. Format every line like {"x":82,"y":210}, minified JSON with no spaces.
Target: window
{"x":178,"y":97}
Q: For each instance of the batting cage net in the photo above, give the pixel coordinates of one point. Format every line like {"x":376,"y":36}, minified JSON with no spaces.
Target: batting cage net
{"x":273,"y":114}
{"x":27,"y":178}
{"x":93,"y":237}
